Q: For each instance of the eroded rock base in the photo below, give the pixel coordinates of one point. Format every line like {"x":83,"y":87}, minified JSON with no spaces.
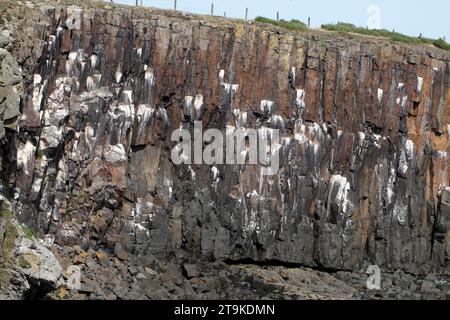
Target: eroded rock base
{"x":117,"y":276}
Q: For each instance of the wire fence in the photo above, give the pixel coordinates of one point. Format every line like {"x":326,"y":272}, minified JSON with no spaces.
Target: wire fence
{"x":245,"y":13}
{"x":212,"y":10}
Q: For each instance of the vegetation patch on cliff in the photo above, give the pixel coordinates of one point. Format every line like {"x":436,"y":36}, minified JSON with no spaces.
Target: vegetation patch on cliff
{"x":291,"y":25}
{"x":7,"y":246}
{"x":394,"y":36}
{"x":8,"y":243}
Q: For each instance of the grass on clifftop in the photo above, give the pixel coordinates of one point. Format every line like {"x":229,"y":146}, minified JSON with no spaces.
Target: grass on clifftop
{"x":291,"y":25}
{"x":394,"y":36}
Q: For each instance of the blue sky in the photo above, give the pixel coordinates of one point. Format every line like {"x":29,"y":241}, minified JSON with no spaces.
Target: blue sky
{"x":412,"y":17}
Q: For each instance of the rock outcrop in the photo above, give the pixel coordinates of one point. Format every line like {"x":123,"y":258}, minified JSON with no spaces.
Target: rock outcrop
{"x":11,"y":88}
{"x":364,"y":126}
{"x":28,"y":269}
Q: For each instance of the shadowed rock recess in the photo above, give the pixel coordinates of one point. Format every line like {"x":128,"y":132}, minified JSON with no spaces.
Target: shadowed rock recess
{"x":89,"y":98}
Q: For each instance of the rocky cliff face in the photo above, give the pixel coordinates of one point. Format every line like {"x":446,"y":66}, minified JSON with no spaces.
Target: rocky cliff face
{"x":365,"y":124}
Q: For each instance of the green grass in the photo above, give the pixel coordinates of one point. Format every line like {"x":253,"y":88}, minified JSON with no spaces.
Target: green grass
{"x":84,"y":196}
{"x":394,"y":36}
{"x":291,"y":25}
{"x":7,"y":215}
{"x":29,"y":232}
{"x":442,"y":44}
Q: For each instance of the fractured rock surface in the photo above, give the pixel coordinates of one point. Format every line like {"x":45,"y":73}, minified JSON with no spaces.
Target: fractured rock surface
{"x":364,"y":125}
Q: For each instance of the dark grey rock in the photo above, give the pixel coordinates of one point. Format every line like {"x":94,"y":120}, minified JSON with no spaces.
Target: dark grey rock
{"x":172,"y":274}
{"x":154,"y":290}
{"x":190,"y":270}
{"x":120,"y":291}
{"x":189,"y":291}
{"x":426,"y":286}
{"x":87,"y":288}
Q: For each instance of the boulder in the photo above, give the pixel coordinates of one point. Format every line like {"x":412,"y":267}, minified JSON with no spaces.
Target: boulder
{"x":190,"y":271}
{"x":43,"y":265}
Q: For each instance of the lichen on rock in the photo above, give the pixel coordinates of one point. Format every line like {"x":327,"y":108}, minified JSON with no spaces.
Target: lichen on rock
{"x":27,"y":268}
